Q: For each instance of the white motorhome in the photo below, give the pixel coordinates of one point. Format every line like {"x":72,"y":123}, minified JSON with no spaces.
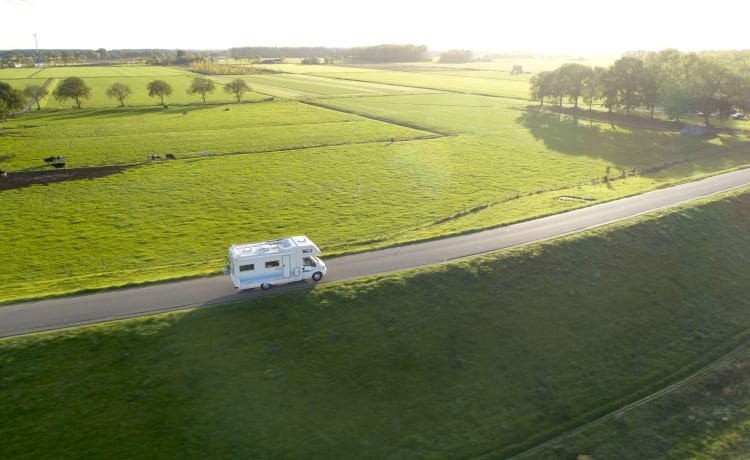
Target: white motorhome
{"x":281,"y":261}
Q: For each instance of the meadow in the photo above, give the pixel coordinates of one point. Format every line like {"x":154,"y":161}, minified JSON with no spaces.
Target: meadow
{"x":354,"y":165}
{"x":469,"y":359}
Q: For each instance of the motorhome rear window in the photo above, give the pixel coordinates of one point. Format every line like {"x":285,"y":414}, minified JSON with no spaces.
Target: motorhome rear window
{"x":247,"y":268}
{"x":272,"y":263}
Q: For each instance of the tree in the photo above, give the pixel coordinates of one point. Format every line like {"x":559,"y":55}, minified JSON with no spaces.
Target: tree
{"x":737,"y":91}
{"x":119,"y":91}
{"x":651,"y":83}
{"x":628,"y":74}
{"x":707,"y":83}
{"x":159,"y":88}
{"x":609,"y":88}
{"x":660,"y":70}
{"x":35,"y":93}
{"x":72,"y":88}
{"x":540,"y":86}
{"x":11,"y":99}
{"x":237,"y":87}
{"x":557,"y":87}
{"x":675,"y":99}
{"x":202,"y":86}
{"x":674,"y":69}
{"x":457,"y":56}
{"x":592,"y":86}
{"x":571,"y":77}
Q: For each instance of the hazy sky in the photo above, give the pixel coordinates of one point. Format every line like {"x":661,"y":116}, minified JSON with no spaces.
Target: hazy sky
{"x":554,"y":26}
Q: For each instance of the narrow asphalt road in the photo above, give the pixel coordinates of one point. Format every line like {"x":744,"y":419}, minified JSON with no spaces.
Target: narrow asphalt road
{"x":73,"y":311}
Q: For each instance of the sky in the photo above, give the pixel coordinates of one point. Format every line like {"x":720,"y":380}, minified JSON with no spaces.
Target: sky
{"x":583,"y":27}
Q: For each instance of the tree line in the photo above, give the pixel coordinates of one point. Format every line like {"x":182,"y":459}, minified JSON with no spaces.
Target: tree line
{"x":379,"y":53}
{"x":63,"y":57}
{"x":457,"y":56}
{"x":677,"y":83}
{"x":274,"y":52}
{"x":75,"y":88}
{"x":51,"y":57}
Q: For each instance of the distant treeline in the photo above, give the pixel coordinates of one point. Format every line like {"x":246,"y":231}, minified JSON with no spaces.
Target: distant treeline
{"x":380,"y":53}
{"x":270,"y":52}
{"x":53,"y":57}
{"x":457,"y":56}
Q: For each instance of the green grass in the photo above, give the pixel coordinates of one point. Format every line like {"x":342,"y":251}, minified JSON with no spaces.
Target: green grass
{"x":703,"y":418}
{"x":306,"y":86}
{"x":485,"y":356}
{"x":91,"y":137}
{"x":513,"y":88}
{"x":330,"y":174}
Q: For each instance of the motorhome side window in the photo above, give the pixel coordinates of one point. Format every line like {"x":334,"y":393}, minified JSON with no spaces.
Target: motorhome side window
{"x":245,"y":268}
{"x":272,"y":263}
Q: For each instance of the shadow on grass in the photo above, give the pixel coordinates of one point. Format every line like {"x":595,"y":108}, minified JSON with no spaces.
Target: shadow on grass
{"x":128,"y":111}
{"x":626,"y":142}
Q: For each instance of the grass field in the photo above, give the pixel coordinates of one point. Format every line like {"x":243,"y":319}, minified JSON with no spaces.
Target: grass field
{"x":92,"y":137}
{"x":469,"y":359}
{"x":463,"y":360}
{"x":460,"y":162}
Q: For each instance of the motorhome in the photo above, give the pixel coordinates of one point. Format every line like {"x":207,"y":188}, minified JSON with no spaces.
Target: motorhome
{"x":267,"y":263}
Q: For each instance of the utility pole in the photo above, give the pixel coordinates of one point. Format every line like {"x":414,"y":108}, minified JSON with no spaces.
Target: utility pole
{"x":37,"y":59}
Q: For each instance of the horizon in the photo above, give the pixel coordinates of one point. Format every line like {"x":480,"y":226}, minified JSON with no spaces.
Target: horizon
{"x":581,"y":28}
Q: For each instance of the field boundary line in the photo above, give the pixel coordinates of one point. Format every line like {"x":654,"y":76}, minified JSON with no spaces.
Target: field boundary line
{"x":376,"y":118}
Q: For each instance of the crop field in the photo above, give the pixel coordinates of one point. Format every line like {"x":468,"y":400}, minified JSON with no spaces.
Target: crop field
{"x":355,"y":165}
{"x":469,"y":359}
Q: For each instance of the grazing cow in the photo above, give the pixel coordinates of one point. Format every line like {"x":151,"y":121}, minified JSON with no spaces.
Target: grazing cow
{"x":170,"y":156}
{"x":54,"y":159}
{"x":59,"y":164}
{"x":205,"y":154}
{"x":3,"y":173}
{"x":184,"y":113}
{"x":154,"y":157}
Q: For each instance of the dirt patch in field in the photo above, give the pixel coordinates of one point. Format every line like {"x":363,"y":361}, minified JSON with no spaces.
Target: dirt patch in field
{"x":21,"y":179}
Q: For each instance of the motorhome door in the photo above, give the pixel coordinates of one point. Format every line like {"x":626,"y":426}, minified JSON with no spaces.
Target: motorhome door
{"x":286,"y":261}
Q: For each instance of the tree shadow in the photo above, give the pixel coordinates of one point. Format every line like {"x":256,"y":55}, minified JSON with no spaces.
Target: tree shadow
{"x":624,"y":145}
{"x":127,"y":111}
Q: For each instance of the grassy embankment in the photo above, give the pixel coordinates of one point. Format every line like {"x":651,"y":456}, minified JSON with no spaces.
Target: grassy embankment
{"x":330,"y":173}
{"x":486,"y":356}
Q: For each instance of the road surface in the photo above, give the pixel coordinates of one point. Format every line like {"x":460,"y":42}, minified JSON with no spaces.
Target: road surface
{"x":73,"y":311}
